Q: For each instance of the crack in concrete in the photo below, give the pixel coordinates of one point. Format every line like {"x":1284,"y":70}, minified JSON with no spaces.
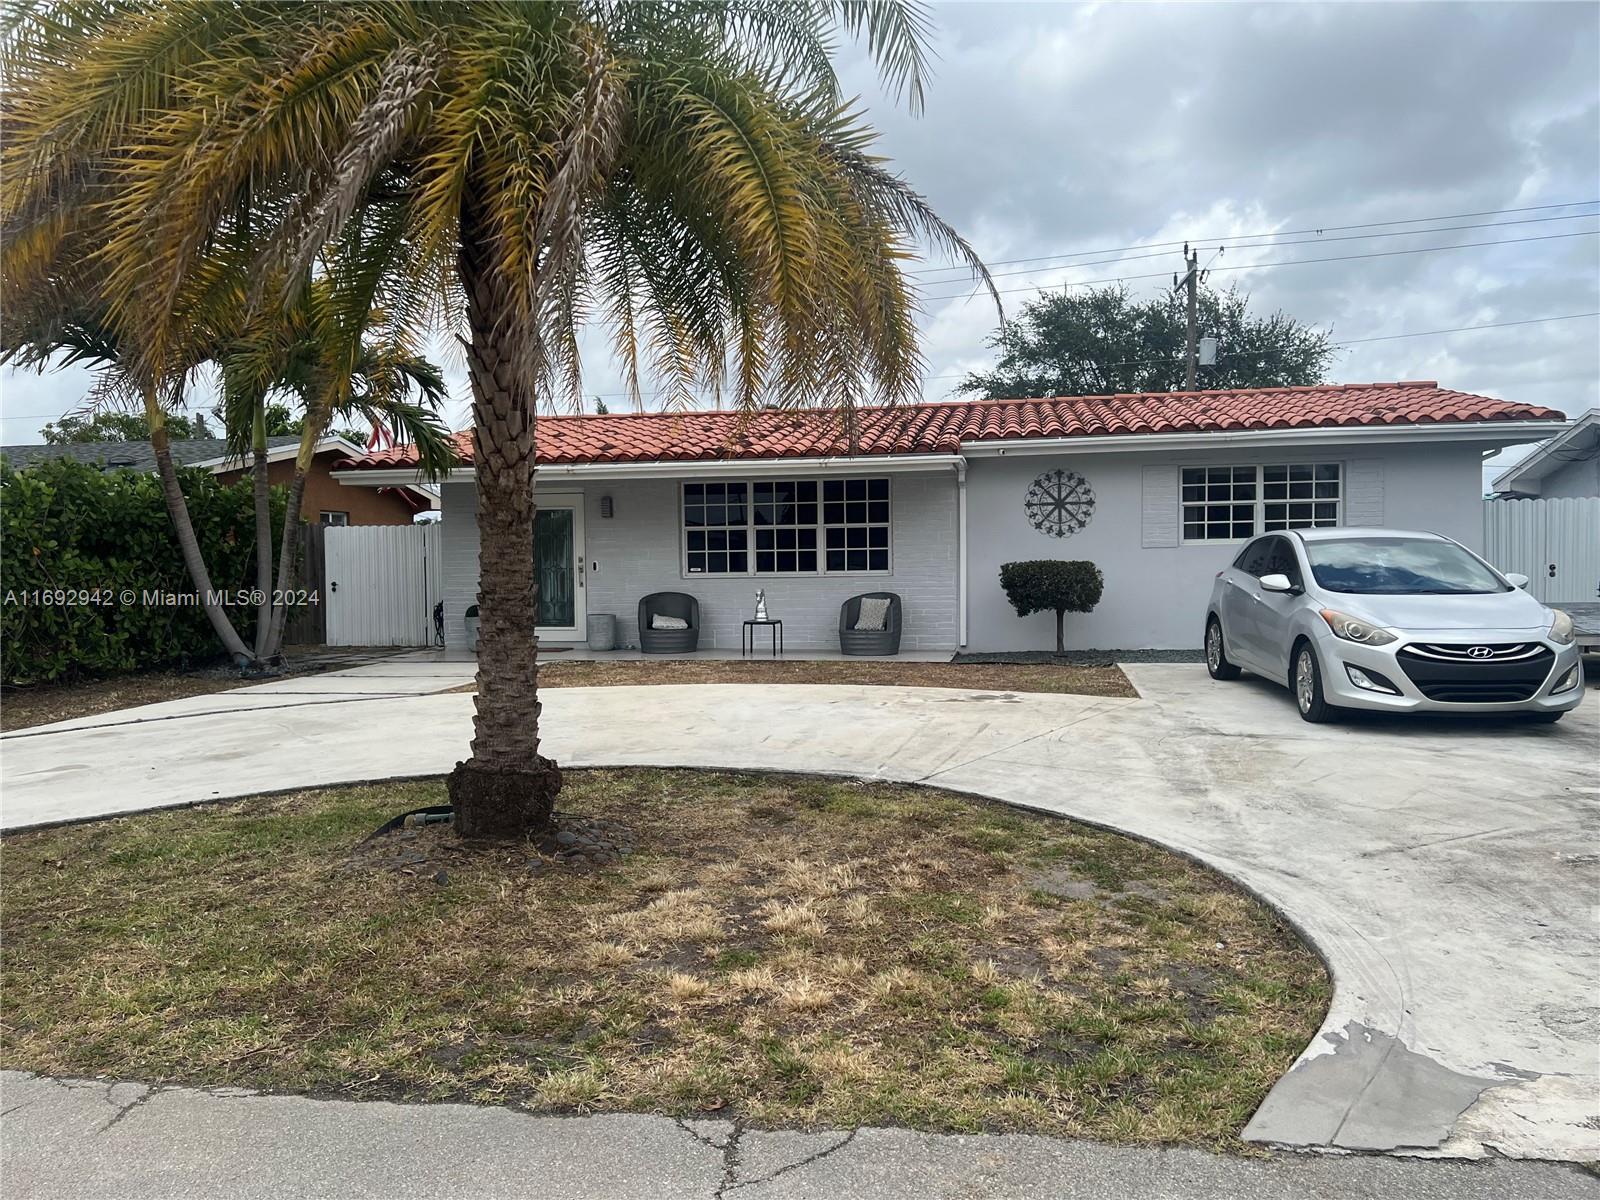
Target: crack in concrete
{"x":727,"y":1149}
{"x":123,"y":1110}
{"x":807,"y":1161}
{"x":732,"y":1151}
{"x":731,"y":1161}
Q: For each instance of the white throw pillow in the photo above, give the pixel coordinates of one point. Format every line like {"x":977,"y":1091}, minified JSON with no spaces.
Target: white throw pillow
{"x":662,"y":621}
{"x":873,"y":615}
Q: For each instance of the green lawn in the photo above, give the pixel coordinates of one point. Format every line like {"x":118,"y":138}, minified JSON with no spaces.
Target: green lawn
{"x":785,"y":950}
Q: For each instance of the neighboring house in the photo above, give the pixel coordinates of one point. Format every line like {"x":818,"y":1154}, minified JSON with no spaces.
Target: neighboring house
{"x":1568,"y":465}
{"x":324,"y":501}
{"x":1157,"y":489}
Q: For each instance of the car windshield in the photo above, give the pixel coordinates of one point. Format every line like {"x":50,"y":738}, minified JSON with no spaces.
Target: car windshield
{"x":1398,"y":566}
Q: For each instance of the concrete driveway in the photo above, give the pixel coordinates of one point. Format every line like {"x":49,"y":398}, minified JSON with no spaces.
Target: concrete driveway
{"x":1446,"y":870}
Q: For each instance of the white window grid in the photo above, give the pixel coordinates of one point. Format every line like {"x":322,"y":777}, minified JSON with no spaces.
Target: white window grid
{"x":793,"y":527}
{"x":1230,"y":504}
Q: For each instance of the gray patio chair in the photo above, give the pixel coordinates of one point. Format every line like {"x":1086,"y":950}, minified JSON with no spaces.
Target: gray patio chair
{"x":869,"y":641}
{"x":669,"y":641}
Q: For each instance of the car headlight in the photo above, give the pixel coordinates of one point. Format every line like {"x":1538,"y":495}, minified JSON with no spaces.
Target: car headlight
{"x":1561,"y":631}
{"x":1354,"y":629}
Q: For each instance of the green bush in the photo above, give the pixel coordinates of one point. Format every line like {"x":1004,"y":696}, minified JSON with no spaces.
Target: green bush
{"x":69,"y":527}
{"x":1052,"y":585}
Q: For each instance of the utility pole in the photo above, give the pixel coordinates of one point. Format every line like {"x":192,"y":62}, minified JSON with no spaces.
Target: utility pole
{"x":1190,"y":281}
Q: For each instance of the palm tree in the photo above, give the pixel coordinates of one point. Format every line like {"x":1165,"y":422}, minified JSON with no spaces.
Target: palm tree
{"x":688,"y":173}
{"x":317,"y":351}
{"x":300,"y":350}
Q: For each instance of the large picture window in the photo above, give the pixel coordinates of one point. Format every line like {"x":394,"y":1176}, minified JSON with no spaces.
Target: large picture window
{"x":787,"y":527}
{"x":1230,"y":504}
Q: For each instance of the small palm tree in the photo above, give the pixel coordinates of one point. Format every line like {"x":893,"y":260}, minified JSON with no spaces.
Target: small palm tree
{"x":317,"y":350}
{"x":279,"y":350}
{"x":687,"y":172}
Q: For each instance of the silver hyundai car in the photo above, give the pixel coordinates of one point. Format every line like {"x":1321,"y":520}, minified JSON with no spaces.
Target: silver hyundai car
{"x":1389,"y":620}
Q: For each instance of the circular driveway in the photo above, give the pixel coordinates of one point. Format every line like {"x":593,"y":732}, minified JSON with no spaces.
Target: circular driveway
{"x":1446,"y":870}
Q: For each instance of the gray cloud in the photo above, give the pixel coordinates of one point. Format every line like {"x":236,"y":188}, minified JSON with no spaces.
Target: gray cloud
{"x":1059,"y":128}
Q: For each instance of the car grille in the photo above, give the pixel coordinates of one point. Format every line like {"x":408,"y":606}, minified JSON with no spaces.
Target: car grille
{"x":1477,"y":672}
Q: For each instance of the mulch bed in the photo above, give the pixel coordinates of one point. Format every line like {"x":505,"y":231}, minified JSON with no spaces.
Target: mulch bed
{"x":1021,"y":676}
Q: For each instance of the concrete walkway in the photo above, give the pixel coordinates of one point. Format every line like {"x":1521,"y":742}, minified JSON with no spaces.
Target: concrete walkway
{"x":1446,"y":870}
{"x":81,"y":1140}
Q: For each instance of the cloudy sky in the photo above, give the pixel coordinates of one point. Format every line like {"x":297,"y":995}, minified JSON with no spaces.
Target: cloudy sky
{"x":1078,"y":131}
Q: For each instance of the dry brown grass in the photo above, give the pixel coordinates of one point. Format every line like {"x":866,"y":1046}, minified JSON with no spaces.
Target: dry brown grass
{"x":983,"y":677}
{"x":785,"y":950}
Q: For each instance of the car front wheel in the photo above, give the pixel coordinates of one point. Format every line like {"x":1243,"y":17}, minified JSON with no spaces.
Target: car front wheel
{"x":1307,"y":681}
{"x":1217,"y":654}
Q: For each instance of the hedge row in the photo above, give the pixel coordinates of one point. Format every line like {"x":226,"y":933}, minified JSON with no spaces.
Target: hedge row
{"x":69,"y":528}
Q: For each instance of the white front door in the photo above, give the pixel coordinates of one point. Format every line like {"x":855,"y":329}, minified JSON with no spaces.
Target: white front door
{"x":558,"y":567}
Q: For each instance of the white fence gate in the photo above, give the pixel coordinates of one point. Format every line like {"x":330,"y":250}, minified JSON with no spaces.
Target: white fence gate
{"x":1555,"y":543}
{"x":383,"y":581}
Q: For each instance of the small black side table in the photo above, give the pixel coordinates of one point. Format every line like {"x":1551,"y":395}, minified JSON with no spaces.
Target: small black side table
{"x":747,"y":637}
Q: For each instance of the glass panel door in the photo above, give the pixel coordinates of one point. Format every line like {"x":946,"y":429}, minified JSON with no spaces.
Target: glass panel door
{"x":558,"y":570}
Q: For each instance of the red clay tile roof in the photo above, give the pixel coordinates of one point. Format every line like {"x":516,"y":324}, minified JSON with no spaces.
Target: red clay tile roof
{"x":946,"y":428}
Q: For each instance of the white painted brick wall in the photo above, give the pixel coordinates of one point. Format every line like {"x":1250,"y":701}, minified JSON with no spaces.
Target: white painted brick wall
{"x":637,"y":551}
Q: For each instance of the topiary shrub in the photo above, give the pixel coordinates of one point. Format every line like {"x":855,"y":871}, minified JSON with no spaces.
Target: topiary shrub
{"x":1052,"y":585}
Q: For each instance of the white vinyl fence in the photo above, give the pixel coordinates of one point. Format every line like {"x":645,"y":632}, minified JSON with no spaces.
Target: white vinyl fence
{"x":1555,"y":543}
{"x":382,"y":584}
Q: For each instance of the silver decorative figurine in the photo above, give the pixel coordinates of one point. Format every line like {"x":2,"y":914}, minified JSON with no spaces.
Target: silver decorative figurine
{"x":761,"y":604}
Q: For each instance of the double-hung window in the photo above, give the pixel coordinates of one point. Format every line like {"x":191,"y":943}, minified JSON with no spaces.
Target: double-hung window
{"x":786,"y":527}
{"x":1230,"y":504}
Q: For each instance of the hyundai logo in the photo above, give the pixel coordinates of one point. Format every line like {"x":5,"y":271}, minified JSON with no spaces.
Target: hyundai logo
{"x":1480,"y":652}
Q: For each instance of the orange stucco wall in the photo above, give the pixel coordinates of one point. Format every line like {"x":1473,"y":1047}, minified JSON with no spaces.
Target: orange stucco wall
{"x":366,"y":505}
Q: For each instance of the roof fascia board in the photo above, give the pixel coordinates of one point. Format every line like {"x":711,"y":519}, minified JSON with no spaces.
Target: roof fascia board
{"x":1533,"y":468}
{"x":234,"y":462}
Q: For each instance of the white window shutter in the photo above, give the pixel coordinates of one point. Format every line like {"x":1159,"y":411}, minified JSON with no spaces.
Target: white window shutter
{"x":1161,"y":508}
{"x":1363,"y":492}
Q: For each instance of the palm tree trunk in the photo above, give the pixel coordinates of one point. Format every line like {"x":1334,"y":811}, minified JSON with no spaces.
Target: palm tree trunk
{"x":263,"y":498}
{"x":506,"y":788}
{"x":188,"y":544}
{"x":312,"y":428}
{"x":287,"y":575}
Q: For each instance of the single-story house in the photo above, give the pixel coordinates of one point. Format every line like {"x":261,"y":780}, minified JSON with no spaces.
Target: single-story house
{"x":324,"y":501}
{"x":1157,"y":489}
{"x":1567,"y":465}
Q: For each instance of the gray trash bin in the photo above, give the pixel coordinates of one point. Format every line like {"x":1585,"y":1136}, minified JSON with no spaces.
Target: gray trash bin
{"x":602,"y":631}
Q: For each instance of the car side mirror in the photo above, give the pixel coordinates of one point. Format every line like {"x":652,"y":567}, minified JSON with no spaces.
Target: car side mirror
{"x":1516,"y":580}
{"x":1276,"y":583}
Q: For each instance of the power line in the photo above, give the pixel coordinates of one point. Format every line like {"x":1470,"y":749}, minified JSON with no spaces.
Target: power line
{"x":1135,"y":362}
{"x":966,"y":294}
{"x":1354,"y":237}
{"x":1241,"y":237}
{"x":1387,"y":337}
